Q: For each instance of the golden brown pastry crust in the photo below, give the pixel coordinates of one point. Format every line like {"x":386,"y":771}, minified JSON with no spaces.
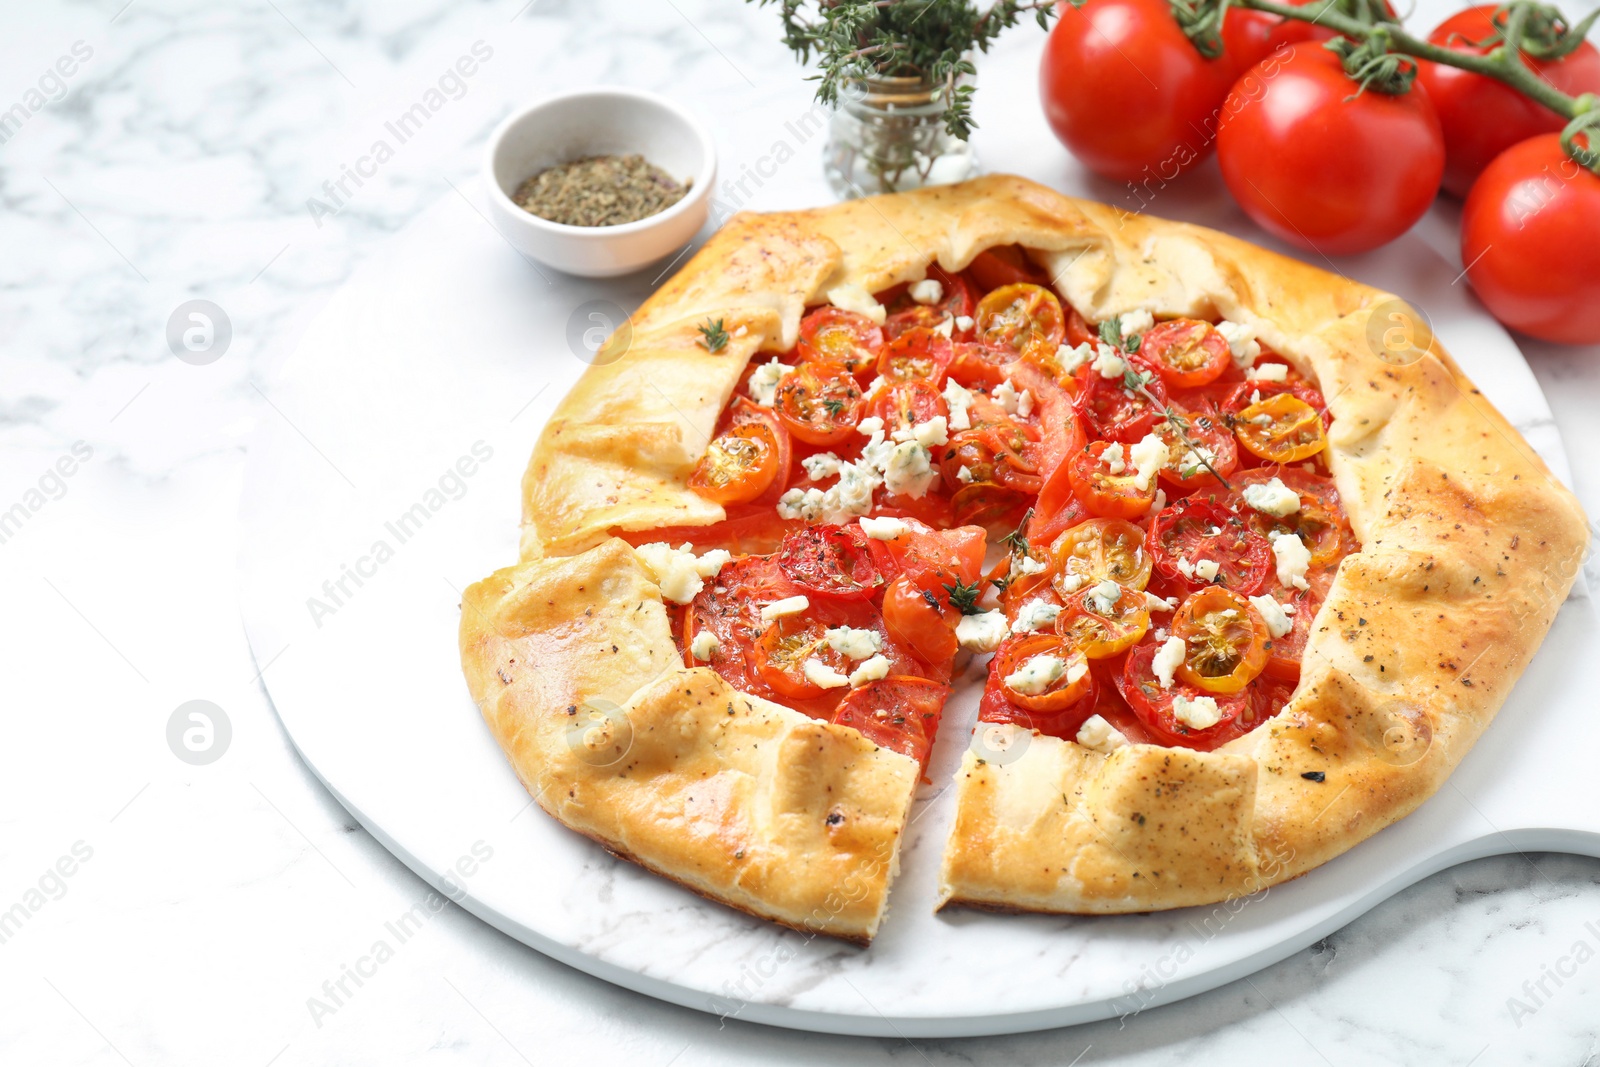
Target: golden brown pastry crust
{"x":1469,"y":547}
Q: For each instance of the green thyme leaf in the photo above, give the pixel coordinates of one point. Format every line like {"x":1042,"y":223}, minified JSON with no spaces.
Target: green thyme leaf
{"x":713,"y":336}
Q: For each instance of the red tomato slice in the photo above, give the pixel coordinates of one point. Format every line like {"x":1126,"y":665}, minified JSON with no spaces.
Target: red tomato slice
{"x":1068,"y":685}
{"x":1186,"y":352}
{"x":900,"y":712}
{"x":917,"y":354}
{"x":1226,"y":640}
{"x":830,"y":561}
{"x":905,"y":405}
{"x":844,"y":338}
{"x":1207,"y":429}
{"x":1022,"y":319}
{"x":955,"y":302}
{"x":995,"y":707}
{"x":979,"y":366}
{"x":1111,"y":411}
{"x":1004,"y":265}
{"x":1193,"y":530}
{"x":917,"y":613}
{"x":922,"y":548}
{"x":1153,"y":705}
{"x":1107,"y":494}
{"x":820,"y":403}
{"x":1079,"y":332}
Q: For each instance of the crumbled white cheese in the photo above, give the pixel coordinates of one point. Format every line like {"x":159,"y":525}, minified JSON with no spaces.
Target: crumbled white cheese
{"x":852,"y":642}
{"x":678,"y":571}
{"x":871,"y":424}
{"x":884,"y":529}
{"x":704,"y":645}
{"x":820,"y":466}
{"x":855,"y":298}
{"x":1036,"y":675}
{"x":1103,"y":598}
{"x":1026,"y":565}
{"x":1168,"y":658}
{"x":909,"y":471}
{"x":764,"y":381}
{"x":801,"y":504}
{"x":1159,"y":503}
{"x":1155,"y":603}
{"x":1272,"y":614}
{"x":1070,"y":583}
{"x":959,"y":399}
{"x":1292,"y":557}
{"x":823,"y":676}
{"x":1272,"y":498}
{"x":1201,"y":713}
{"x":1268,"y":372}
{"x":1149,"y":456}
{"x":1206,"y":569}
{"x":964,"y":475}
{"x":946,"y":327}
{"x":1108,"y":364}
{"x":1136,"y":322}
{"x":874,"y":668}
{"x":1012,"y":400}
{"x":982,"y":632}
{"x":1241,"y":342}
{"x":963,"y":322}
{"x":927,"y":291}
{"x":1034,"y":614}
{"x":1098,"y":735}
{"x":1185,"y":568}
{"x":1114,"y":460}
{"x":931,"y":433}
{"x":789,"y":605}
{"x":1076,"y":356}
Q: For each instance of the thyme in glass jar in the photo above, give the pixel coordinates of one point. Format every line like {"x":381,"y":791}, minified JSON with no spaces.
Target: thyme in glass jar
{"x":600,"y":191}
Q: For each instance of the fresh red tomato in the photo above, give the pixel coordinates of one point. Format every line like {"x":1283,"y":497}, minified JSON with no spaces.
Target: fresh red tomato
{"x":1186,"y":352}
{"x":1192,"y":532}
{"x":917,"y":613}
{"x":955,"y":301}
{"x":831,"y":561}
{"x":832,"y":335}
{"x":820,"y":403}
{"x":1250,"y":36}
{"x":1153,"y":704}
{"x":1127,"y":92}
{"x":908,"y":404}
{"x":900,"y":712}
{"x":917,"y":354}
{"x":1482,"y":117}
{"x":1108,"y":487}
{"x":1527,"y":235}
{"x":1323,"y":167}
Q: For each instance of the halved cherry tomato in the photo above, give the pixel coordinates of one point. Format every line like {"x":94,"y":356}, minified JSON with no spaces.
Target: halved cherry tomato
{"x":996,"y":706}
{"x":1226,"y":639}
{"x":1101,"y":629}
{"x":1284,"y":654}
{"x":1152,"y":703}
{"x":999,"y":452}
{"x":831,"y":561}
{"x":917,"y":613}
{"x":1079,"y":332}
{"x":784,"y":647}
{"x":730,"y":608}
{"x":917,"y":355}
{"x":1282,"y":428}
{"x":1099,"y":549}
{"x":1320,"y":520}
{"x":955,"y":302}
{"x":738,"y":466}
{"x":922,"y":548}
{"x":996,"y":508}
{"x":1004,"y":265}
{"x":1066,"y":682}
{"x":907,"y":404}
{"x":820,"y":403}
{"x":1206,"y":429}
{"x":1111,"y":410}
{"x":1109,"y":488}
{"x":1021,"y":318}
{"x":1255,"y":390}
{"x":1186,"y":352}
{"x":900,"y":712}
{"x":1191,"y":531}
{"x":844,"y":338}
{"x":979,"y":366}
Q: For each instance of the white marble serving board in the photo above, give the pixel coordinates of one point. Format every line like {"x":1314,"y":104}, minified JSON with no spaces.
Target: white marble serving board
{"x":451,"y":346}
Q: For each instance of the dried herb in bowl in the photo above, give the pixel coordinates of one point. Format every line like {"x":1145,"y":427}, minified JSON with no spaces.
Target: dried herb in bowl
{"x":600,"y":191}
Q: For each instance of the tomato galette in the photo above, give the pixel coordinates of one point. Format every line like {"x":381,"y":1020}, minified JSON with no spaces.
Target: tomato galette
{"x":1241,"y":591}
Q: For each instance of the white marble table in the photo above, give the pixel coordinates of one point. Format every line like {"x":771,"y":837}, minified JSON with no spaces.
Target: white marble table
{"x":157,"y":912}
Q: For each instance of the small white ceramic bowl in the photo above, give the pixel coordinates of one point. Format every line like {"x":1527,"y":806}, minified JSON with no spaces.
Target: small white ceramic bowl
{"x":593,"y":122}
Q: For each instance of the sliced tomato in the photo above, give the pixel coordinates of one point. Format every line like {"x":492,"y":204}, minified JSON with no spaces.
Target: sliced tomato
{"x":1112,"y":411}
{"x":1000,"y":451}
{"x":1197,"y":429}
{"x":995,"y":706}
{"x":820,"y":403}
{"x":1103,"y":628}
{"x":907,"y":404}
{"x":749,"y":529}
{"x":843,"y":338}
{"x":1153,"y":705}
{"x":921,"y":547}
{"x":996,"y":508}
{"x":955,"y":302}
{"x":917,"y":613}
{"x":900,"y":713}
{"x":978,"y":366}
{"x":830,"y":561}
{"x":746,"y":412}
{"x":1186,"y":352}
{"x":1320,"y":521}
{"x":1242,"y":394}
{"x":1004,"y":265}
{"x":1021,"y":318}
{"x":730,"y":608}
{"x":1099,"y":549}
{"x":1193,"y":531}
{"x":739,"y":465}
{"x":1285,"y":653}
{"x":1226,"y":639}
{"x":1281,"y":428}
{"x":784,"y":648}
{"x":1066,"y":681}
{"x":918,"y":354}
{"x":1109,"y":488}
{"x":1079,"y":332}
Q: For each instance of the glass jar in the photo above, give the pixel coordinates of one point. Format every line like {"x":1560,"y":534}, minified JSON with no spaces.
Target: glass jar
{"x":887,"y":135}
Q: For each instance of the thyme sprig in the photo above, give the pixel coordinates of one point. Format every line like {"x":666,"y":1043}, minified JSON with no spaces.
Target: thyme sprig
{"x":964,"y":597}
{"x":713,"y":336}
{"x":1180,"y":425}
{"x":929,"y":39}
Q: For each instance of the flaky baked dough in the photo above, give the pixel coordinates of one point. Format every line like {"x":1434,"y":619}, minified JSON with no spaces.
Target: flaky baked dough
{"x":1469,"y":546}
